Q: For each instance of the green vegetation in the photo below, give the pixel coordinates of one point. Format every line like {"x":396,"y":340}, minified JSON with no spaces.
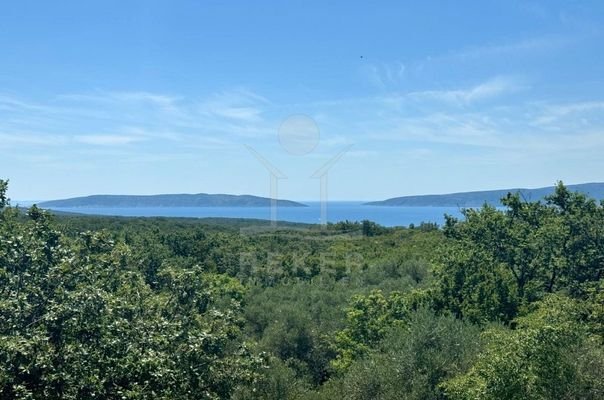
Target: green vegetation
{"x":500,"y":305}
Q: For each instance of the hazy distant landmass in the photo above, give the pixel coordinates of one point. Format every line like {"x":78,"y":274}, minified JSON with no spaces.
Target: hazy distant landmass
{"x":492,"y":197}
{"x":170,"y":200}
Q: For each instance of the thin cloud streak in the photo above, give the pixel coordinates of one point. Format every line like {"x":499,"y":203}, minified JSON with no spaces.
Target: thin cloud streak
{"x":107,"y":140}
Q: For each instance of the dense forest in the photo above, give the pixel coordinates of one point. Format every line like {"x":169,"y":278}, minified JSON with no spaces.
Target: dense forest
{"x":505,"y":303}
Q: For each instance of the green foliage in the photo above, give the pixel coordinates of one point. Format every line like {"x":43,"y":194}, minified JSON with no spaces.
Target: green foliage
{"x":109,"y":307}
{"x":294,"y":323}
{"x":369,"y":318}
{"x":535,"y":361}
{"x":412,"y":359}
{"x":370,"y":228}
{"x":78,"y":320}
{"x":496,"y":263}
{"x":4,"y":200}
{"x":595,"y":311}
{"x":277,"y":381}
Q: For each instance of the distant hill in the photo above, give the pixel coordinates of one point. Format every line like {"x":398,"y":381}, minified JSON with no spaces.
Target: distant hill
{"x":169,"y":200}
{"x":492,"y":197}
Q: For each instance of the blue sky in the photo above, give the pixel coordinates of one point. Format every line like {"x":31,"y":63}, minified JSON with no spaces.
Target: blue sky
{"x":163,"y":97}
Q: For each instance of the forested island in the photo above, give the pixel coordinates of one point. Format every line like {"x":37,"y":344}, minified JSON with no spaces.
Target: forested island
{"x":504,"y":303}
{"x":491,"y":197}
{"x":170,"y":200}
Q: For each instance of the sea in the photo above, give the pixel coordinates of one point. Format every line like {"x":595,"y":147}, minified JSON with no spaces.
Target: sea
{"x":336,"y":211}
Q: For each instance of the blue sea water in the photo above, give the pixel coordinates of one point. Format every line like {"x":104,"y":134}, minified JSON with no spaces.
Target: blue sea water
{"x":336,"y":211}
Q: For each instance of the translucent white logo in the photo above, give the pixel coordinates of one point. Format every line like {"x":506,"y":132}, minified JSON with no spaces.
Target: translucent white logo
{"x":298,"y":135}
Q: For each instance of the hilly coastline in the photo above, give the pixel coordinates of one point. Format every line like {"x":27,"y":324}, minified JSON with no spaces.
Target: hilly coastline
{"x":491,"y":197}
{"x":169,"y":200}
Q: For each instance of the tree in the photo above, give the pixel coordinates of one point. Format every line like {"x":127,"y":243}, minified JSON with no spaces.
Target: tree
{"x":542,"y":359}
{"x":4,"y":200}
{"x":411,"y":361}
{"x":79,"y":320}
{"x":498,"y":262}
{"x":368,"y":320}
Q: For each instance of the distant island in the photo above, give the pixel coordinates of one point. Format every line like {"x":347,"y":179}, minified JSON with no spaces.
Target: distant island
{"x":169,"y":200}
{"x":492,"y":197}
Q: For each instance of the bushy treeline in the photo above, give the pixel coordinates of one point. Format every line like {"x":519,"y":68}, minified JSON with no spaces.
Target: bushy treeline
{"x":500,"y":305}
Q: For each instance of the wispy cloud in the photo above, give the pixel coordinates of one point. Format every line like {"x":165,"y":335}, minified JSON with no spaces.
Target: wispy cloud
{"x":395,"y":75}
{"x":161,"y":100}
{"x":124,"y":118}
{"x":555,"y":116}
{"x":240,"y":105}
{"x":514,"y":48}
{"x":143,"y":127}
{"x":385,"y":75}
{"x":107,"y":140}
{"x":16,"y":139}
{"x":485,"y":90}
{"x":510,"y":131}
